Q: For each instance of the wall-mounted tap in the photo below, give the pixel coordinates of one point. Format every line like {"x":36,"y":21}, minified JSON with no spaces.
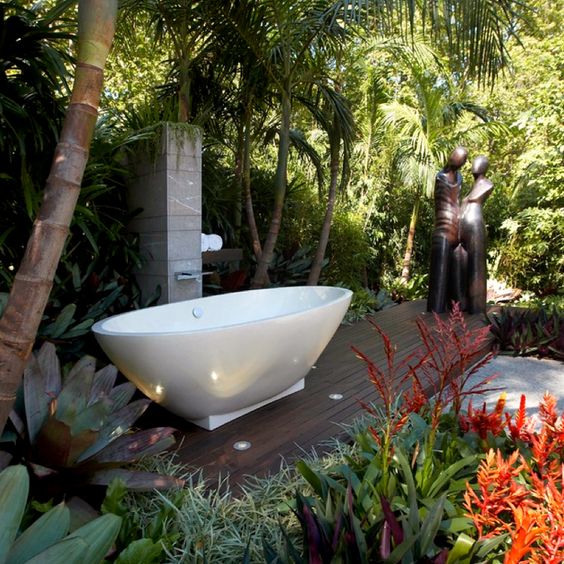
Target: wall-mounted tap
{"x":190,"y":275}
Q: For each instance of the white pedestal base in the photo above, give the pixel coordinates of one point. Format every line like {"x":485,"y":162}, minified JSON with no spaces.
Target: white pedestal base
{"x":214,"y":421}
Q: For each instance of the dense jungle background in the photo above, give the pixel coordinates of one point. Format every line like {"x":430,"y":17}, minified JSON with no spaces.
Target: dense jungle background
{"x":367,"y":115}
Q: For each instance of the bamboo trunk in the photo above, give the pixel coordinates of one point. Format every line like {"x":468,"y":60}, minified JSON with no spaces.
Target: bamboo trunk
{"x":32,"y":284}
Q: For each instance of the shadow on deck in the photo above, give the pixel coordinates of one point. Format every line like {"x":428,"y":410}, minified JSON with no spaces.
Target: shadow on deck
{"x":304,"y":420}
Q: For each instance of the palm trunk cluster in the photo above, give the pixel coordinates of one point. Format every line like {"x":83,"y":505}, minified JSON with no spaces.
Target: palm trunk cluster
{"x":34,"y":279}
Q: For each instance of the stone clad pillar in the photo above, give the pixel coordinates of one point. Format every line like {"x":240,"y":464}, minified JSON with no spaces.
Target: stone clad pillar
{"x":167,"y":187}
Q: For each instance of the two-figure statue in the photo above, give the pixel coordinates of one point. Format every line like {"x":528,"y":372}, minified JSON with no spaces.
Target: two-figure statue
{"x":458,"y":249}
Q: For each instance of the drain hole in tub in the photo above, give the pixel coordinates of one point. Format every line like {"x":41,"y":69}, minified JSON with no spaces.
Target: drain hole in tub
{"x":197,"y":312}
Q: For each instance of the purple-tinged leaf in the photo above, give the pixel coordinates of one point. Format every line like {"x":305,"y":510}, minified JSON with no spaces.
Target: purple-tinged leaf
{"x":103,"y":383}
{"x":138,"y":481}
{"x":129,"y":448}
{"x":385,"y":544}
{"x":118,"y":424}
{"x":313,"y":536}
{"x":395,"y":527}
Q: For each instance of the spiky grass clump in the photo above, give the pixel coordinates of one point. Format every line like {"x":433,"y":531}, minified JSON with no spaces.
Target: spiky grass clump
{"x":220,"y":524}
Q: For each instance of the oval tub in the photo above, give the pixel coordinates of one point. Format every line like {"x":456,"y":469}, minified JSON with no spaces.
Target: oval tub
{"x":213,"y":359}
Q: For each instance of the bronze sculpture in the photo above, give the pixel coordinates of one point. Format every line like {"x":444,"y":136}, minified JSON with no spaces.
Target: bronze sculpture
{"x":458,"y":252}
{"x":445,"y":235}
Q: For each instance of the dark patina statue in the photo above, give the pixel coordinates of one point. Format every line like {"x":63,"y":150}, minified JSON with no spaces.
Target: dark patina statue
{"x":458,"y":253}
{"x":445,"y":234}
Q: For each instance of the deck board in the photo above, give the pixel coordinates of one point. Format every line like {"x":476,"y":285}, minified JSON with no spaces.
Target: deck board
{"x":307,"y":419}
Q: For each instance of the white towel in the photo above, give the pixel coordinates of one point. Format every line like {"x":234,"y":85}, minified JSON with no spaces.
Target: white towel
{"x":215,"y":242}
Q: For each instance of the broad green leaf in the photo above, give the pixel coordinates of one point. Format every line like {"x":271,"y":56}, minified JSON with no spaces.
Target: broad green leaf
{"x":78,"y":330}
{"x":14,"y":489}
{"x":102,"y":306}
{"x":92,"y":418}
{"x":413,"y":515}
{"x":142,"y":551}
{"x":49,"y":529}
{"x":402,"y":549}
{"x":312,"y":478}
{"x":460,"y":552}
{"x":431,"y":525}
{"x":449,"y":473}
{"x":66,"y":551}
{"x":61,"y":324}
{"x":99,"y":535}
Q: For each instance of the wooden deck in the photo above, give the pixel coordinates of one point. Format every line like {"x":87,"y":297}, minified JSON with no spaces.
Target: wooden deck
{"x":287,"y":427}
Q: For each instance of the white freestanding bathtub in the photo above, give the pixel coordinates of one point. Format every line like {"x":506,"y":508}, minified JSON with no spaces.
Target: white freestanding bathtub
{"x":213,"y":359}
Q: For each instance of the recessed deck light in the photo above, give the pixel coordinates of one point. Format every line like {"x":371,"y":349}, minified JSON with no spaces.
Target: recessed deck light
{"x":336,"y":396}
{"x":242,"y":445}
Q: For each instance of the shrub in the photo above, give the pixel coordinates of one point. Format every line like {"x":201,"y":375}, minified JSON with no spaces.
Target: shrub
{"x":76,"y":430}
{"x":525,"y":332}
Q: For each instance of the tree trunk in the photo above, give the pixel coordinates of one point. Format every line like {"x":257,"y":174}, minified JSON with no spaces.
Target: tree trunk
{"x":261,"y":274}
{"x":249,"y":209}
{"x":410,"y":239}
{"x":238,"y":173}
{"x":317,"y":264}
{"x":34,"y":279}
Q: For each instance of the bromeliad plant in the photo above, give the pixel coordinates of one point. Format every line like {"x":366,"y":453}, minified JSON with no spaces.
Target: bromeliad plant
{"x":526,"y":332}
{"x":48,"y":538}
{"x":76,"y":430}
{"x":519,"y":495}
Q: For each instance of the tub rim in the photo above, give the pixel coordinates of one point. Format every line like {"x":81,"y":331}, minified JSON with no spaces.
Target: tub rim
{"x":98,"y":329}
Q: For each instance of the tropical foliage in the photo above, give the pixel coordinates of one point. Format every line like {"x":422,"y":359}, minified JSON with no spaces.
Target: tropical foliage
{"x":75,"y":430}
{"x":48,"y":538}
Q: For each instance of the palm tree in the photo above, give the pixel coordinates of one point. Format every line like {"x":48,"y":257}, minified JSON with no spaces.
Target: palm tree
{"x":429,"y":123}
{"x":34,"y":279}
{"x":335,"y":117}
{"x":285,"y":35}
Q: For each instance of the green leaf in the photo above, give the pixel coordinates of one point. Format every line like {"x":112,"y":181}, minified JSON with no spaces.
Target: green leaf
{"x":99,"y":536}
{"x":49,"y":529}
{"x":92,"y":418}
{"x":413,"y":515}
{"x":449,"y":473}
{"x":312,"y":478}
{"x":67,"y":551}
{"x":460,"y":552}
{"x":78,"y":330}
{"x":14,"y":489}
{"x":142,"y":551}
{"x":402,"y":549}
{"x":431,"y":524}
{"x":76,"y":389}
{"x":60,"y":325}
